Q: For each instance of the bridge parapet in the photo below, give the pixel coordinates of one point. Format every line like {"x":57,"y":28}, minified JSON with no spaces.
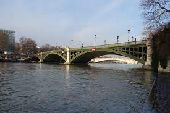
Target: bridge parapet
{"x":142,"y":42}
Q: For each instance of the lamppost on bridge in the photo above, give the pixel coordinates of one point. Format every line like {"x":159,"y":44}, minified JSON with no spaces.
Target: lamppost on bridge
{"x":117,"y":39}
{"x":128,"y":34}
{"x":135,"y":40}
{"x":104,"y":42}
{"x":81,"y":44}
{"x":132,"y":38}
{"x":95,"y":41}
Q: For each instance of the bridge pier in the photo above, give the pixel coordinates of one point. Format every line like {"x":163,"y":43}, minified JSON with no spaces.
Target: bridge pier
{"x":41,"y":59}
{"x":68,"y":56}
{"x":149,"y":44}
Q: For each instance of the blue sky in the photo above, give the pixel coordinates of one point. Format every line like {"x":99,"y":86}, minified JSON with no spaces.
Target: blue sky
{"x":57,"y":22}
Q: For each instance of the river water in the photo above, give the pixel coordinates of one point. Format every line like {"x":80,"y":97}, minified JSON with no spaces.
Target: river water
{"x":94,"y":88}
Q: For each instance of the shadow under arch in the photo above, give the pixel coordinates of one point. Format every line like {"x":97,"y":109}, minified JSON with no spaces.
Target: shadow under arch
{"x":87,"y":56}
{"x":53,"y":58}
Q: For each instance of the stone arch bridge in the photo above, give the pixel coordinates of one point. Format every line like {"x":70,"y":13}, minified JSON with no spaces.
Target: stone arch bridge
{"x":133,"y":50}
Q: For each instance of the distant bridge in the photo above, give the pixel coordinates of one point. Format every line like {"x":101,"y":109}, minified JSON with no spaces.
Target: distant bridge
{"x":134,"y":50}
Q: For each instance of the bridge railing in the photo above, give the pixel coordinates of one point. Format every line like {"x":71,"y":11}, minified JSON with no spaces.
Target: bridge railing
{"x":135,"y":42}
{"x":117,"y":44}
{"x":104,"y":46}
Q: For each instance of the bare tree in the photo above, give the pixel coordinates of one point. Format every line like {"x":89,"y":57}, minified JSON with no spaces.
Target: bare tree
{"x":45,"y":47}
{"x":156,"y":13}
{"x":3,"y":41}
{"x":48,"y":47}
{"x":28,"y":46}
{"x":17,"y":47}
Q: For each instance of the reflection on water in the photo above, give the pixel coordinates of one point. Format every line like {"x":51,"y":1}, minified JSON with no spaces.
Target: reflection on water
{"x":94,"y":88}
{"x":67,"y":75}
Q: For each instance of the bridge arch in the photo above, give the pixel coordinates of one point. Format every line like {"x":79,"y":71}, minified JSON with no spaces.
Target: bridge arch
{"x":53,"y":57}
{"x":85,"y":57}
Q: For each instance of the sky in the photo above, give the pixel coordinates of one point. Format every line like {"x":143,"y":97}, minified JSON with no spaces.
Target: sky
{"x":72,"y":22}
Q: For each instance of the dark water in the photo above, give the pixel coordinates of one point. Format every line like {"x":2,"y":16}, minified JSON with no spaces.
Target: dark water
{"x":95,"y":88}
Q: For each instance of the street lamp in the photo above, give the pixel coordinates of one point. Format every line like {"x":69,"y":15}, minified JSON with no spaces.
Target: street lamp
{"x":132,"y":38}
{"x":135,"y":40}
{"x":117,"y":39}
{"x":81,"y":44}
{"x":104,"y":42}
{"x":95,"y":41}
{"x":128,"y":34}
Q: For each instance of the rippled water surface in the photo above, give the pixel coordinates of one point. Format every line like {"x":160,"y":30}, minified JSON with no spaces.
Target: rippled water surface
{"x":94,"y":88}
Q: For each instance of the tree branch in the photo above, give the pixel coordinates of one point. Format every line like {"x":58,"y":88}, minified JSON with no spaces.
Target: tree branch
{"x":162,"y":7}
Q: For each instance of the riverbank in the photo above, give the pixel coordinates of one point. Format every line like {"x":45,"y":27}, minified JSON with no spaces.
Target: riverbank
{"x":160,"y":94}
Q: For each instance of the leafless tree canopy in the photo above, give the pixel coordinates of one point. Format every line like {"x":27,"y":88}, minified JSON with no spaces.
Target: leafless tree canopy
{"x":27,"y":46}
{"x":156,"y":13}
{"x":3,"y":41}
{"x":48,"y":47}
